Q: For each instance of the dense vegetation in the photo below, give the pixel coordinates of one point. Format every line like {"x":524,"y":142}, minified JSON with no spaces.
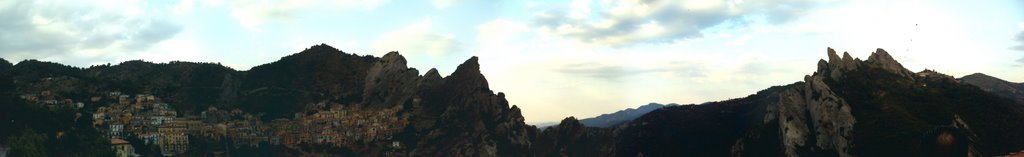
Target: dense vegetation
{"x":320,"y":73}
{"x":38,"y":131}
{"x":893,"y":112}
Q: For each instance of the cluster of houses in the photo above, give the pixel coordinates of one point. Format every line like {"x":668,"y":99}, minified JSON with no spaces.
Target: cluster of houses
{"x":51,"y":100}
{"x":144,"y":117}
{"x":340,"y":126}
{"x":121,"y":116}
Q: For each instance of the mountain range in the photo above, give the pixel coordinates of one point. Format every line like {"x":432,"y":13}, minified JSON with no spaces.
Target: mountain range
{"x":613,"y":119}
{"x":847,"y":107}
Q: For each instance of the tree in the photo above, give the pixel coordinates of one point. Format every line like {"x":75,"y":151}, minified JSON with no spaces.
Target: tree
{"x":29,"y":143}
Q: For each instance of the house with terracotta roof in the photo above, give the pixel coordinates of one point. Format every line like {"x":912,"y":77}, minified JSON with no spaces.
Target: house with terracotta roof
{"x":122,"y":148}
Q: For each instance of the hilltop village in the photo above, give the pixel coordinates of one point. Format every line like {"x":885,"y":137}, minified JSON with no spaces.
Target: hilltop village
{"x":122,"y":116}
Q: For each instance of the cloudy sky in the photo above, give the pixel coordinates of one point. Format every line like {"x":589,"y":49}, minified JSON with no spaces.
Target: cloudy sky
{"x":552,"y":58}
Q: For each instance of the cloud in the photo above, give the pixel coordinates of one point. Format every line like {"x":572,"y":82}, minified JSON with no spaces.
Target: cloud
{"x":620,"y":23}
{"x":253,"y":14}
{"x":75,"y":32}
{"x":498,"y":32}
{"x":618,"y":72}
{"x":1020,"y":39}
{"x":417,"y":38}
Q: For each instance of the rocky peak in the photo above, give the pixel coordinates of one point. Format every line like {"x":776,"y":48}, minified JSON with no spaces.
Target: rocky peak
{"x":432,"y":74}
{"x":570,"y":122}
{"x":389,"y":82}
{"x":4,"y":65}
{"x":832,"y":57}
{"x":469,"y":67}
{"x":883,"y":60}
{"x":467,"y":76}
{"x":836,"y":66}
{"x":429,"y":80}
{"x":321,"y":47}
{"x":515,"y":113}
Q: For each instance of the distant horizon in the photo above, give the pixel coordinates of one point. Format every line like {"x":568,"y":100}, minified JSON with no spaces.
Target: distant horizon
{"x":554,"y":59}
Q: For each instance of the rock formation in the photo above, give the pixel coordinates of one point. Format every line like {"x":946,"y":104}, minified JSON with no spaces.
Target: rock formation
{"x":472,"y":120}
{"x":389,"y":82}
{"x":835,"y":67}
{"x":814,"y":119}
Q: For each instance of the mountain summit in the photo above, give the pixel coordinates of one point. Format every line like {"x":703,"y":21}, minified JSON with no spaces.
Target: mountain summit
{"x":995,"y":85}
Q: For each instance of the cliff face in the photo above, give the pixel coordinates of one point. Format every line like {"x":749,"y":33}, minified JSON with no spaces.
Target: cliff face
{"x":389,"y":82}
{"x":463,"y":117}
{"x":814,"y":120}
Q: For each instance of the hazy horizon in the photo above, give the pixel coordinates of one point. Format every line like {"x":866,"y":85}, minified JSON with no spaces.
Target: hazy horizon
{"x":553,"y":59}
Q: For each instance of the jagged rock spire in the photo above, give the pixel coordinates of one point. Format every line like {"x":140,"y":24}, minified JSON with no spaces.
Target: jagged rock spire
{"x":883,"y":60}
{"x":468,"y":76}
{"x":836,"y":66}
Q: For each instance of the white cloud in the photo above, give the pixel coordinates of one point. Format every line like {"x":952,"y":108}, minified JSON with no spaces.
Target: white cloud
{"x":1020,"y":40}
{"x":623,"y":23}
{"x":80,"y":33}
{"x":417,"y":38}
{"x":499,"y":31}
{"x":253,"y":14}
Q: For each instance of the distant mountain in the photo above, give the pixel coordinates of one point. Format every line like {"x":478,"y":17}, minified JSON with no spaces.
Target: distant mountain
{"x":621,"y":116}
{"x":612,"y":119}
{"x":543,"y":125}
{"x":995,"y":85}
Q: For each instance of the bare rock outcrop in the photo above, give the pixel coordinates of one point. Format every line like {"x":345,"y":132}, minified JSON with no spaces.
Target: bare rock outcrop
{"x":389,"y":82}
{"x":836,"y":66}
{"x":883,"y":60}
{"x":468,"y":119}
{"x":814,"y":120}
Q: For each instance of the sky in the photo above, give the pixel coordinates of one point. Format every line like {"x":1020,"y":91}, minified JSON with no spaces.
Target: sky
{"x":553,"y":59}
